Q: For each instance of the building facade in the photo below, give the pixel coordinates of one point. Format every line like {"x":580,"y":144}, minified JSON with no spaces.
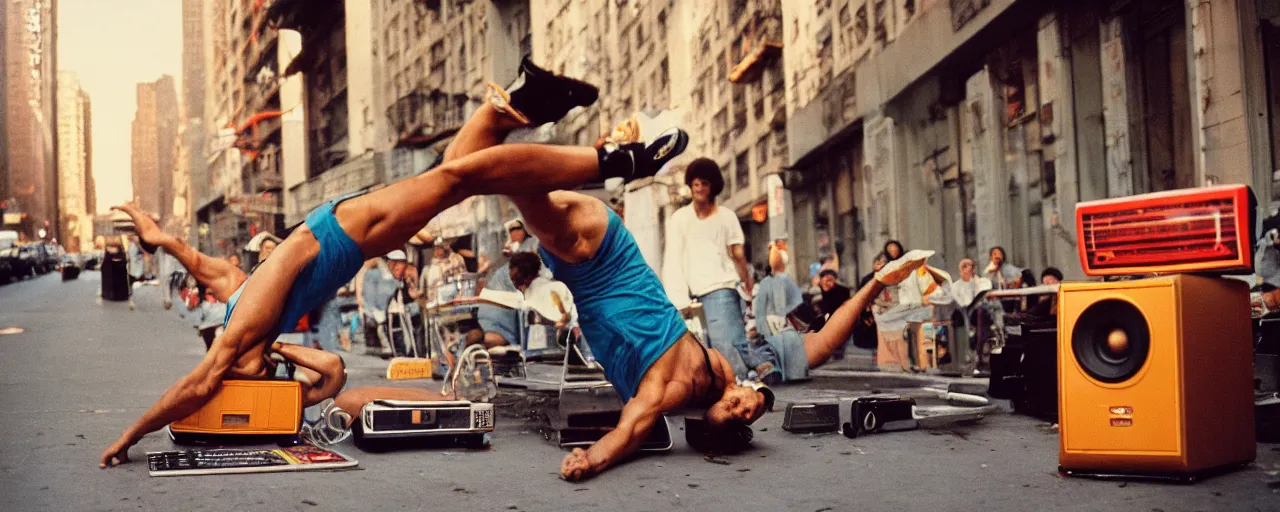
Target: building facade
{"x":192,"y":150}
{"x":28,"y":127}
{"x":964,"y":125}
{"x":155,"y":139}
{"x":952,"y":125}
{"x":238,"y":182}
{"x":74,"y":213}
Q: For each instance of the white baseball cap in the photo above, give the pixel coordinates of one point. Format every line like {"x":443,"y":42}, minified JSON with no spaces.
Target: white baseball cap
{"x":397,"y":255}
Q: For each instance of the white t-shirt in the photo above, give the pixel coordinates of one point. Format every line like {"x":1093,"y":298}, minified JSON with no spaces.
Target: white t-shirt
{"x":702,"y":247}
{"x":964,"y":291}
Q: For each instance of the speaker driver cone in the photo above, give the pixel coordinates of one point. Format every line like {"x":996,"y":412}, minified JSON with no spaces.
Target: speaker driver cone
{"x":1111,"y":340}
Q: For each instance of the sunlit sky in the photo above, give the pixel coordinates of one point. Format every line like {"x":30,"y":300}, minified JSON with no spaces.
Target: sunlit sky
{"x":112,"y":46}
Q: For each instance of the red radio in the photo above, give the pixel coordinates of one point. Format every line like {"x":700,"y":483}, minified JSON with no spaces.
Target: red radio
{"x":1207,"y":229}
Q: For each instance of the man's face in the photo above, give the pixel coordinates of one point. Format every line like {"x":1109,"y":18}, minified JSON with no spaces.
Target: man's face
{"x":966,"y":269}
{"x":397,"y":269}
{"x":739,"y":404}
{"x":1050,"y":279}
{"x":520,"y":281}
{"x":701,"y":190}
{"x":518,"y":234}
{"x":438,"y":252}
{"x":267,"y":247}
{"x":827,"y":282}
{"x":997,"y":257}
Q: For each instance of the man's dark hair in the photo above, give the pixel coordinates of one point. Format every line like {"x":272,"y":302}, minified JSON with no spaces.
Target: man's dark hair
{"x":1051,"y":271}
{"x":728,"y":440}
{"x":525,"y":264}
{"x":828,"y":272}
{"x":707,"y":170}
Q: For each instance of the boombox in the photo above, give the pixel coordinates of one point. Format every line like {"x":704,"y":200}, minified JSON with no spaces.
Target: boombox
{"x":872,"y":414}
{"x":244,"y":410}
{"x":400,"y":420}
{"x":1206,"y":229}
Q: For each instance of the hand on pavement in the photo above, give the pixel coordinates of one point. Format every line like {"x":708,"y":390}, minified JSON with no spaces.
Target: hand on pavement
{"x":116,"y":454}
{"x":575,"y":467}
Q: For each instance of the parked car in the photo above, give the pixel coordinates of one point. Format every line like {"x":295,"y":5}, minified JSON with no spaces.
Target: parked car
{"x":70,"y":267}
{"x":35,"y":258}
{"x":20,"y":265}
{"x":6,"y":268}
{"x":93,"y":260}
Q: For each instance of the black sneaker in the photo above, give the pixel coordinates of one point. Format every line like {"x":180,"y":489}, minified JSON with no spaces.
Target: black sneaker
{"x":539,"y":96}
{"x":635,"y":160}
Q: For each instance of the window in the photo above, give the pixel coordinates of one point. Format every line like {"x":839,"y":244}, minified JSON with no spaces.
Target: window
{"x":742,"y":171}
{"x":735,"y":12}
{"x":663,"y":74}
{"x":720,"y":64}
{"x":762,"y":151}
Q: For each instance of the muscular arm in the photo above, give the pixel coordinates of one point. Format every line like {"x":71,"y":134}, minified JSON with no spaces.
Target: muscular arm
{"x":740,"y":262}
{"x":184,"y":397}
{"x":638,"y":418}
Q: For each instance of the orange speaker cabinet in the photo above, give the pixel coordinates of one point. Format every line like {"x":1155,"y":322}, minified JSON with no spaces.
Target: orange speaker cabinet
{"x":246,"y":408}
{"x":1155,"y":377}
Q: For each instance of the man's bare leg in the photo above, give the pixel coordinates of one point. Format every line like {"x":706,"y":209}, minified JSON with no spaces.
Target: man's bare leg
{"x":220,"y":276}
{"x":819,"y":346}
{"x":324,"y":372}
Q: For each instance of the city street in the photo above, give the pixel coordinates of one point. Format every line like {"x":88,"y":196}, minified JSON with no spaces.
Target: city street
{"x":81,"y":372}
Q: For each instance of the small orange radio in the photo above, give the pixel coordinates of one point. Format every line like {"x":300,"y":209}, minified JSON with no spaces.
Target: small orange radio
{"x":244,"y":409}
{"x":1194,"y":230}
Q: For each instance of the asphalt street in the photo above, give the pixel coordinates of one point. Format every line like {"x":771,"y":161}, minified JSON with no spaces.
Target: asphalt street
{"x":81,"y":372}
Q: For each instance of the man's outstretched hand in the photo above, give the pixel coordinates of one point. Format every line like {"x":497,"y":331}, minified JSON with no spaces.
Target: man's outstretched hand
{"x":116,"y":454}
{"x":576,"y":467}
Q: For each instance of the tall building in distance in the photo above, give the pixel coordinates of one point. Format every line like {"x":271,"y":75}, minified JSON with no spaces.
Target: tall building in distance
{"x":28,"y":138}
{"x":90,"y":186}
{"x":155,"y":135}
{"x":75,"y":217}
{"x":192,"y":151}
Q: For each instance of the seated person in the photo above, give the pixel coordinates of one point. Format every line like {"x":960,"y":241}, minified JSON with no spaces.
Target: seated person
{"x":548,"y":298}
{"x":777,"y":295}
{"x":1047,"y":305}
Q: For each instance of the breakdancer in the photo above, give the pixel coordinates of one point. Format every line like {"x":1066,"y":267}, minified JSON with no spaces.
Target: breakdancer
{"x":327,"y":251}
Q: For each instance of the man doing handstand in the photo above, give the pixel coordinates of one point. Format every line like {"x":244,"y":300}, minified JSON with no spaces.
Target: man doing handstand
{"x":319,"y":257}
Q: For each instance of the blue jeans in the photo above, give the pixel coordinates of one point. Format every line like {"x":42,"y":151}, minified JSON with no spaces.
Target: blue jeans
{"x":727,"y":330}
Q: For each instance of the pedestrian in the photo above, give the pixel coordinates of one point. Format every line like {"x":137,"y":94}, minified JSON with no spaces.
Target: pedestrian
{"x":865,"y":335}
{"x":776,"y":297}
{"x":374,"y":286}
{"x":705,"y":242}
{"x":445,"y":263}
{"x":1003,"y":275}
{"x":969,"y":285}
{"x":402,"y":305}
{"x":833,"y":294}
{"x":518,"y":239}
{"x":893,"y":250}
